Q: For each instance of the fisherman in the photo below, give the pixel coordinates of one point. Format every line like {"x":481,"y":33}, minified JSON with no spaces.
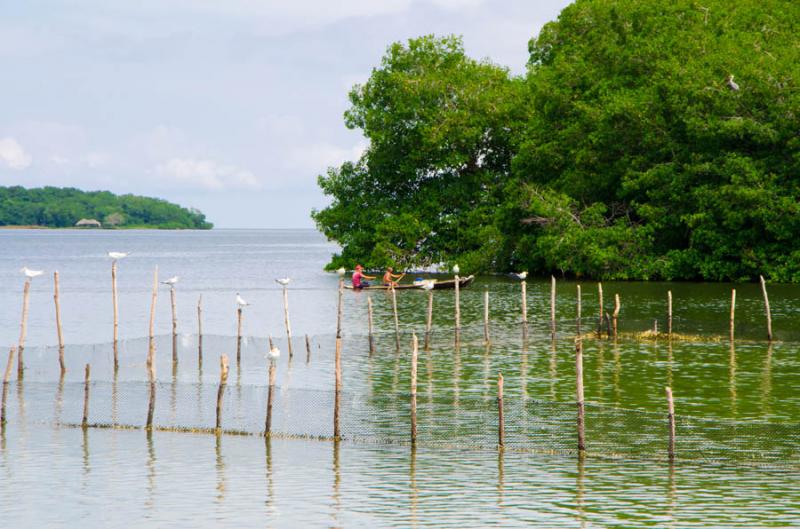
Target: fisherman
{"x":390,"y":279}
{"x":359,"y":276}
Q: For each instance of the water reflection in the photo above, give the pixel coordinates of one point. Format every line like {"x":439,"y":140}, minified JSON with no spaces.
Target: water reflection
{"x":219,"y":465}
{"x":151,"y":471}
{"x":270,"y":503}
{"x":337,"y":478}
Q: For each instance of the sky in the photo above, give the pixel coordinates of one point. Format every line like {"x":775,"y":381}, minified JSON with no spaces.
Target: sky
{"x":230,"y":106}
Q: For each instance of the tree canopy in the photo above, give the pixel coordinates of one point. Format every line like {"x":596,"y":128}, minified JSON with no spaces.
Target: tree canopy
{"x":625,"y":152}
{"x":58,"y":207}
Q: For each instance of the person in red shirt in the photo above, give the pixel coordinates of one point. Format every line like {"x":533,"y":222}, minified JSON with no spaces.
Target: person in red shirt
{"x":359,"y":276}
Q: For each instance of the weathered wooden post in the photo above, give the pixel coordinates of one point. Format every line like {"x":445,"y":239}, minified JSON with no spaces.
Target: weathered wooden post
{"x":151,"y":351}
{"x":429,"y":321}
{"x":458,"y":309}
{"x":671,"y":421}
{"x":239,"y":317}
{"x":578,"y":314}
{"x":601,"y":312}
{"x":308,"y":349}
{"x":733,"y":310}
{"x":414,"y":353}
{"x":151,"y":401}
{"x":486,"y":337}
{"x":669,"y":313}
{"x":286,"y":319}
{"x":369,"y":324}
{"x":59,"y":332}
{"x":173,"y":304}
{"x":524,"y":293}
{"x":200,"y":328}
{"x":553,"y":307}
{"x":579,"y":396}
{"x":115,"y":301}
{"x":86,"y":375}
{"x":501,"y":421}
{"x":766,"y":308}
{"x":270,"y":397}
{"x":337,"y":389}
{"x":6,"y":380}
{"x":339,"y":307}
{"x":23,"y":331}
{"x":616,"y":315}
{"x":223,"y":379}
{"x":396,"y":320}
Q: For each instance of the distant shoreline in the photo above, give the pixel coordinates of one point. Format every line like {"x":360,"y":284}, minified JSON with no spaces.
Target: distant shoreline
{"x":38,"y":227}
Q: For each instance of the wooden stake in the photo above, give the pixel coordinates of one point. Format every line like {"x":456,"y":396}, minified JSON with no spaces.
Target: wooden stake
{"x":269,"y":339}
{"x":414,"y":353}
{"x":429,"y":321}
{"x":733,"y":310}
{"x":601,"y":312}
{"x":524,"y":294}
{"x":308,"y":349}
{"x":578,"y":314}
{"x":458,"y":307}
{"x":59,"y":332}
{"x":6,"y":380}
{"x":115,"y":301}
{"x":286,"y":320}
{"x":669,"y":313}
{"x":223,"y":379}
{"x":174,"y":324}
{"x":338,"y":389}
{"x":396,"y":320}
{"x":553,"y":306}
{"x":766,"y":308}
{"x":270,"y":397}
{"x":151,"y":403}
{"x":239,"y":317}
{"x":671,"y":420}
{"x":339,"y":309}
{"x":23,"y":331}
{"x":85,"y":421}
{"x":501,"y":421}
{"x":486,"y":337}
{"x":200,"y":328}
{"x":151,"y":352}
{"x":616,"y":315}
{"x":579,"y":395}
{"x":369,"y":325}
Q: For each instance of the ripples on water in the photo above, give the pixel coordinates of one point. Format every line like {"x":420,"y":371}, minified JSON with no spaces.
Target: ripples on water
{"x":53,"y":477}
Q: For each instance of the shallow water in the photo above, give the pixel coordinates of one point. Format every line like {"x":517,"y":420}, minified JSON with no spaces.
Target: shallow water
{"x":178,"y":479}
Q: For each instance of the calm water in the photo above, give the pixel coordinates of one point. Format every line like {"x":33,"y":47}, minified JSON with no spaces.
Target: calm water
{"x":179,"y":479}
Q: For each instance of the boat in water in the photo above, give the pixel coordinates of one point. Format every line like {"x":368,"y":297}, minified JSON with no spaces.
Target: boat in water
{"x":447,"y":284}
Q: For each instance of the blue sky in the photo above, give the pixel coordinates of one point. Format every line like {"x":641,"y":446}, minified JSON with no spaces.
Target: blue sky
{"x":233,"y":107}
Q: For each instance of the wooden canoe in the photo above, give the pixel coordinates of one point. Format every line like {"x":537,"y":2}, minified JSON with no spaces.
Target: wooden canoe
{"x":447,"y":284}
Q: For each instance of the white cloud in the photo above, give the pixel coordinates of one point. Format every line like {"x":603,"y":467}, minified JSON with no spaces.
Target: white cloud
{"x":207,"y":174}
{"x":318,"y":157}
{"x":13,"y":155}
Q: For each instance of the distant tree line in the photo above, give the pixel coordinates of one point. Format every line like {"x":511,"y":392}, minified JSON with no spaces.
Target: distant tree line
{"x":58,"y":207}
{"x":626,"y":151}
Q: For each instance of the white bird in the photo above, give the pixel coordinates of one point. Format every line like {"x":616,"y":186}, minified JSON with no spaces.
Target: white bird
{"x":171,"y":281}
{"x":273,"y":353}
{"x":521,"y":275}
{"x":456,"y":269}
{"x":283,"y":281}
{"x":30,"y":274}
{"x":428,"y":284}
{"x":732,"y":84}
{"x":341,"y":271}
{"x":117,"y":255}
{"x":241,"y":302}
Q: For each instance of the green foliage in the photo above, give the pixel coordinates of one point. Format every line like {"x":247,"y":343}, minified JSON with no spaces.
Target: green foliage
{"x":62,"y":207}
{"x":622,"y":153}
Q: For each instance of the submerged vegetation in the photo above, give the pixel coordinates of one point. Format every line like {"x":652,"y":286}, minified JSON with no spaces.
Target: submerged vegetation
{"x":647,"y":140}
{"x":57,"y":207}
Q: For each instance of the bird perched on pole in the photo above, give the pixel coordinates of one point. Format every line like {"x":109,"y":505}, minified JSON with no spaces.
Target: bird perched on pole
{"x":171,"y":281}
{"x":520,"y":275}
{"x":117,"y":255}
{"x":341,"y":271}
{"x":240,"y":301}
{"x":30,"y":274}
{"x":456,"y":269}
{"x":283,"y":281}
{"x":732,"y":84}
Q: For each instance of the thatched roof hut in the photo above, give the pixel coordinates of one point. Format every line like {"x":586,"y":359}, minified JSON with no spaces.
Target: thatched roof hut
{"x":88,"y":223}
